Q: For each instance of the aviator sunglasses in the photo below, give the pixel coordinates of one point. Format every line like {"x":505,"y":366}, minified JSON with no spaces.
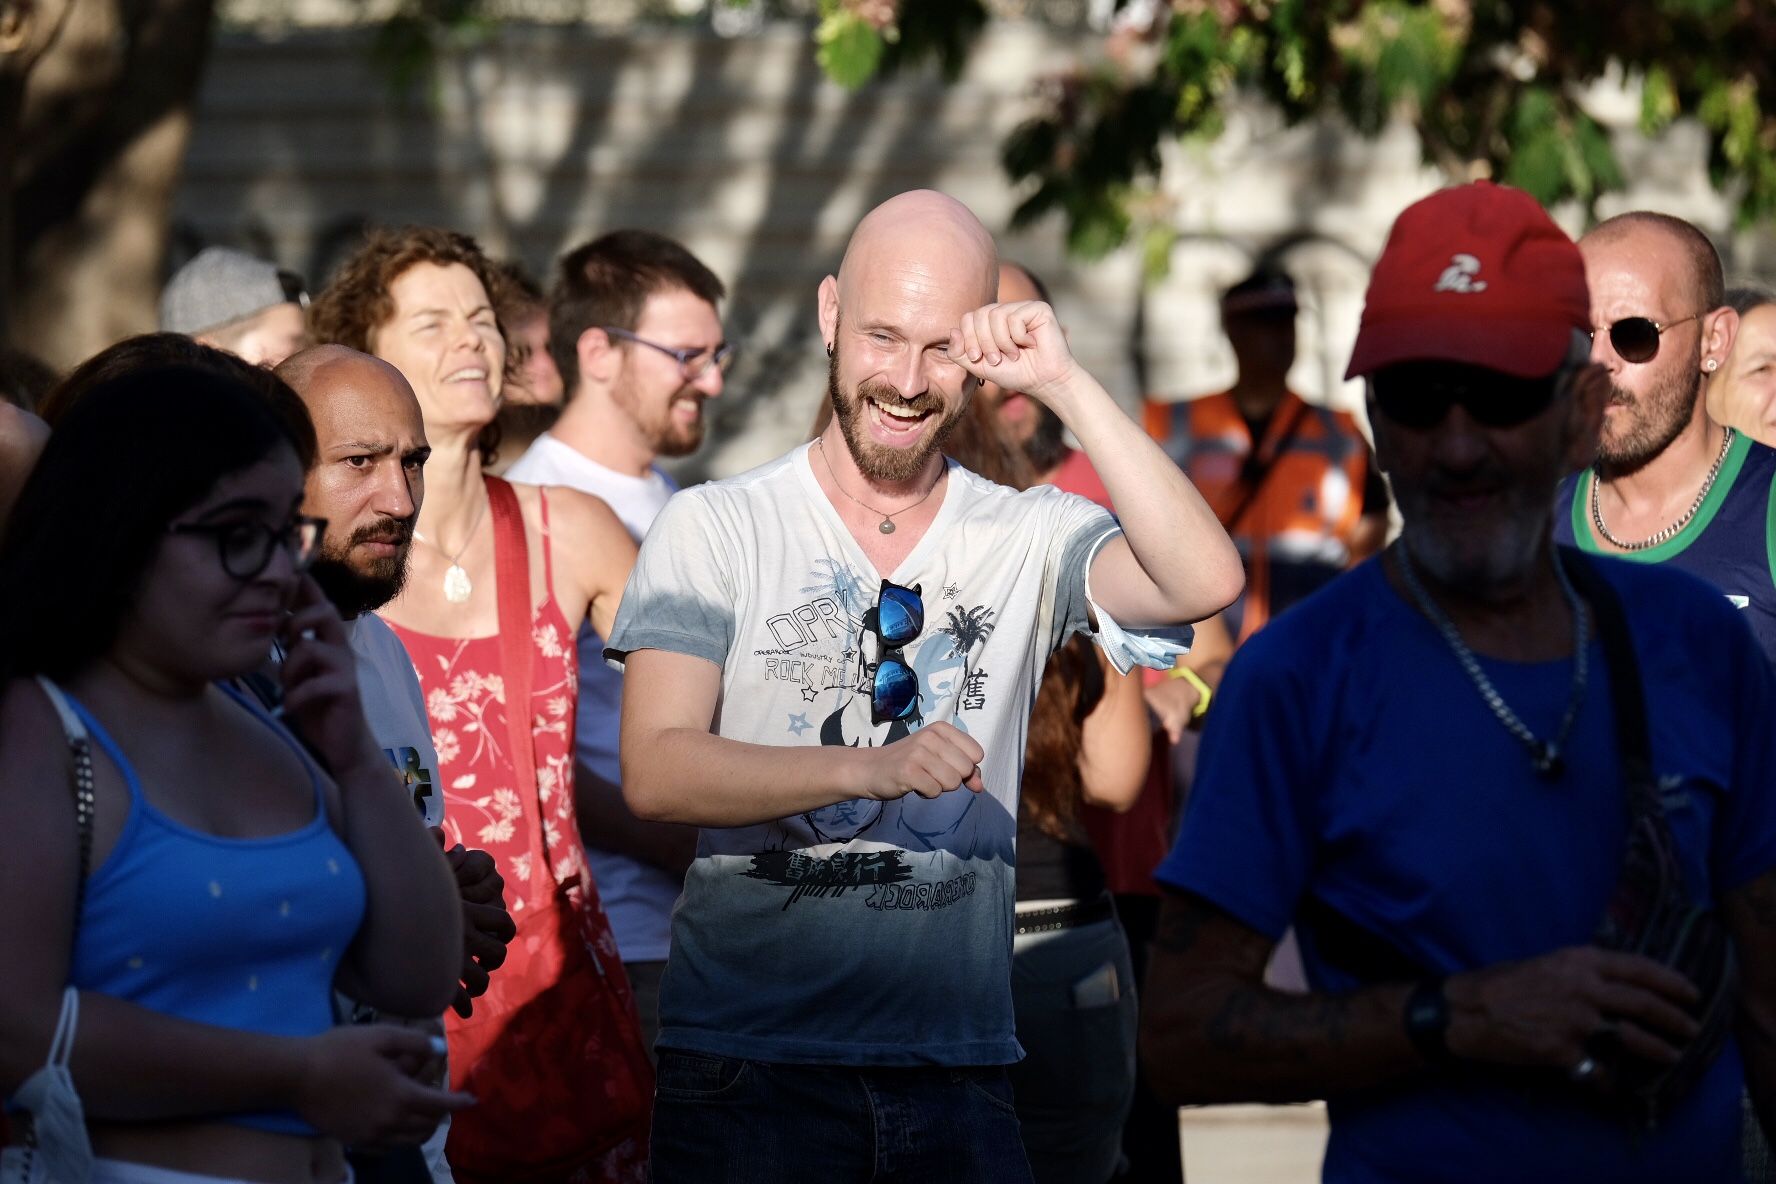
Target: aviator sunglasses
{"x":897,"y":618}
{"x":1419,"y":395}
{"x":1636,"y":339}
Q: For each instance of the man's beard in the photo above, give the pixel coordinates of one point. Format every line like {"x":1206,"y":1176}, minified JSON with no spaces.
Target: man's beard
{"x":884,"y":465}
{"x":356,"y":589}
{"x":1655,"y":419}
{"x":1482,"y":555}
{"x":1047,"y":445}
{"x":664,"y":436}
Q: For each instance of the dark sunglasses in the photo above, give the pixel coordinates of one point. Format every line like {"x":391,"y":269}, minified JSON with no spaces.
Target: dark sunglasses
{"x":897,"y":618}
{"x":245,"y":548}
{"x":1419,"y":396}
{"x":1636,"y":339}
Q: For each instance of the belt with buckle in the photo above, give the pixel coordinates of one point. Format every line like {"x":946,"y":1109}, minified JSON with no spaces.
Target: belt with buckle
{"x":1065,"y":916}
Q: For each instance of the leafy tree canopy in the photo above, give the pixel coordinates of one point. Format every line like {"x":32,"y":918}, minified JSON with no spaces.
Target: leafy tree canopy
{"x":1494,"y":88}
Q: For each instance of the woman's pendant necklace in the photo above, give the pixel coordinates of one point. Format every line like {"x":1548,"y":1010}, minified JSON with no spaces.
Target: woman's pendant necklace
{"x":457,"y":585}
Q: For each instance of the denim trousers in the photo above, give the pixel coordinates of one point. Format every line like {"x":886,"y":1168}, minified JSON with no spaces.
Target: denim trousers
{"x":1074,"y":990}
{"x":756,"y":1122}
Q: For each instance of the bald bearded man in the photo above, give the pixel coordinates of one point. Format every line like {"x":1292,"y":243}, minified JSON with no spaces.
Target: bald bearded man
{"x":830,"y":666}
{"x":368,"y":482}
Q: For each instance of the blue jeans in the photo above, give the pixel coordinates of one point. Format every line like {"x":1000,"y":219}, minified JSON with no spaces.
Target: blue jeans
{"x":754,"y":1122}
{"x":1074,"y":991}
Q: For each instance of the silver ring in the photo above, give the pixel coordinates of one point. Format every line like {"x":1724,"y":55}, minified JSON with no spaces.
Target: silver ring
{"x":307,"y":635}
{"x":1582,"y":1072}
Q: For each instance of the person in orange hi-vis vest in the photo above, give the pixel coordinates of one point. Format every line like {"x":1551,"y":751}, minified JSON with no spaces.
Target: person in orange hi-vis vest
{"x":1292,"y":482}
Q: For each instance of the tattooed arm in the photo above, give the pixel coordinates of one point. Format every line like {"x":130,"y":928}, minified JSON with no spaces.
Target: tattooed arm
{"x":1751,"y":913}
{"x":1211,"y":1031}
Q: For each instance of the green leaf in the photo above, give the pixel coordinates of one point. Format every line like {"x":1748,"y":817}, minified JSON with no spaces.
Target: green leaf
{"x":848,"y":48}
{"x":1097,"y":226}
{"x":1156,"y":251}
{"x":1658,"y":100}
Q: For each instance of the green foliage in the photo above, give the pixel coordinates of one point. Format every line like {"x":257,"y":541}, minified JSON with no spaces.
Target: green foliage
{"x":1493,"y":88}
{"x":852,"y":49}
{"x":408,"y":45}
{"x":847,"y":46}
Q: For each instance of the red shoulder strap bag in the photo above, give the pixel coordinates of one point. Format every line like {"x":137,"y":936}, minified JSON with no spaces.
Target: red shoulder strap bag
{"x":553,"y":1051}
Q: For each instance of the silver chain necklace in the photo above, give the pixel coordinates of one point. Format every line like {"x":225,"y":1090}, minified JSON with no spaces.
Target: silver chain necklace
{"x":886,"y":525}
{"x":1669,"y":532}
{"x":457,"y":588}
{"x":1545,"y":755}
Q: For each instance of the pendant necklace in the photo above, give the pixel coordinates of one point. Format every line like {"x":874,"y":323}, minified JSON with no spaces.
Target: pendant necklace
{"x":1670,"y":532}
{"x":886,"y":525}
{"x":1545,"y":755}
{"x":457,"y":588}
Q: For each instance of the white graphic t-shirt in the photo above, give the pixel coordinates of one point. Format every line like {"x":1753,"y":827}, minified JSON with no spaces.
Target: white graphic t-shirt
{"x":638,"y":897}
{"x":864,"y":933}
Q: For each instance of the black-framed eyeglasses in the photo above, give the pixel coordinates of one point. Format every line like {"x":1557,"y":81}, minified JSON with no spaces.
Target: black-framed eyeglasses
{"x":692,"y":363}
{"x":245,"y":548}
{"x":1636,"y":339}
{"x":1418,"y":395}
{"x":897,"y":618}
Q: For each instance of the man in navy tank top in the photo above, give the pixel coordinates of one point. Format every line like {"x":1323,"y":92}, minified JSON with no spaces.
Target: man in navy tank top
{"x":1670,"y":485}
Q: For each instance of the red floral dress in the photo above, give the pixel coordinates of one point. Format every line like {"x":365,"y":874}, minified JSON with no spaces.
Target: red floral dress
{"x":466,"y":704}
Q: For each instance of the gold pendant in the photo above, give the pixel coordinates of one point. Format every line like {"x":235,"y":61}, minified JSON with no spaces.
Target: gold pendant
{"x":457,"y":588}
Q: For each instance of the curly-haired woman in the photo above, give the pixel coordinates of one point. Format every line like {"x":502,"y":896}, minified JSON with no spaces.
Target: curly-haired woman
{"x":503,"y":578}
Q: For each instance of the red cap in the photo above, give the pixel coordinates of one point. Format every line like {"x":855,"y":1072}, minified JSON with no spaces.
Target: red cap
{"x":1477,"y":274}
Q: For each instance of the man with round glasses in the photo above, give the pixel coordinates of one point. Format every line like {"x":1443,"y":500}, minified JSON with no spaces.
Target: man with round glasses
{"x":1670,"y":484}
{"x":831,"y":662}
{"x":1432,"y":770}
{"x":636,"y":333}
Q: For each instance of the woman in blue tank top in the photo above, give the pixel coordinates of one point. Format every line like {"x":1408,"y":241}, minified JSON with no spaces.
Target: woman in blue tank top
{"x":155,"y":553}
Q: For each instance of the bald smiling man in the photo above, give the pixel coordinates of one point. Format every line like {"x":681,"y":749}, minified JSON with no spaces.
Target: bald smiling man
{"x":830,"y":666}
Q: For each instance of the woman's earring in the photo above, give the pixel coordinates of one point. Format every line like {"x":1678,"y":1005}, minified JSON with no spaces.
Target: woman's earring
{"x":1709,"y":365}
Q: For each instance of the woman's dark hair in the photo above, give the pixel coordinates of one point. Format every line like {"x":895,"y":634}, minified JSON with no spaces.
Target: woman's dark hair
{"x":150,"y":351}
{"x":1746,"y":297}
{"x":126,"y":458}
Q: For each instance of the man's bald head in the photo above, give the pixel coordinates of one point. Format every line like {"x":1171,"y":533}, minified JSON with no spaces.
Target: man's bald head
{"x":916,"y":266}
{"x":368,"y":480}
{"x":1704,"y":278}
{"x":321,"y":371}
{"x":926,"y":230}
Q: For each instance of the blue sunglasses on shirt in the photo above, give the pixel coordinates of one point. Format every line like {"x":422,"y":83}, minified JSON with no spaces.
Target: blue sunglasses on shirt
{"x":896,"y":620}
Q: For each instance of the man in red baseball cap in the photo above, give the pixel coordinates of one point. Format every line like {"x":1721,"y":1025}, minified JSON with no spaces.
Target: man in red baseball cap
{"x":1442,"y":771}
